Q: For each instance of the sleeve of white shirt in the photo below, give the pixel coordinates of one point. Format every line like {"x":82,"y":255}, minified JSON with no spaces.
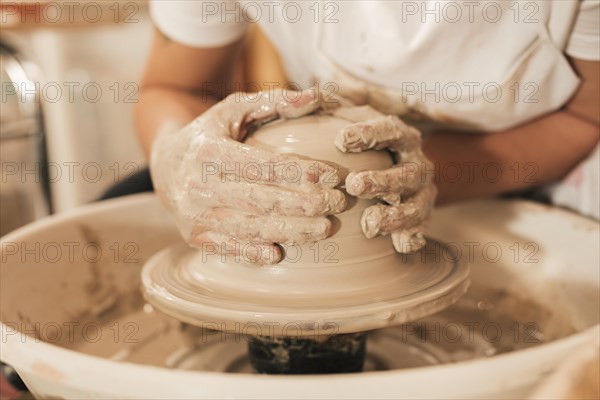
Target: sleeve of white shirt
{"x":199,"y":23}
{"x":584,"y":42}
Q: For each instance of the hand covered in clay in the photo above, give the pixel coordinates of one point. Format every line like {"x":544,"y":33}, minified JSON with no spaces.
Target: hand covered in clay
{"x":232,"y":198}
{"x":406,"y":189}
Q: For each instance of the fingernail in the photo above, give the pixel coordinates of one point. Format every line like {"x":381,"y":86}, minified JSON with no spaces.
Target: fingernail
{"x":340,"y":142}
{"x":355,"y":186}
{"x":324,"y":229}
{"x":407,"y":243}
{"x":339,"y":202}
{"x":263,"y":254}
{"x":371,"y":222}
{"x":350,"y":137}
{"x":304,"y":99}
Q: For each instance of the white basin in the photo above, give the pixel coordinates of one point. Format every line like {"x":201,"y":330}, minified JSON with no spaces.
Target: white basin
{"x":52,"y":275}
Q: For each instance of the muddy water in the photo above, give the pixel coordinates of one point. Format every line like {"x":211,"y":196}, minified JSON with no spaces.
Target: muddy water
{"x":483,"y":323}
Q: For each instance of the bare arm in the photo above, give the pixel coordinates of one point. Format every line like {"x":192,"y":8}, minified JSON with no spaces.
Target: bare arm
{"x":540,"y":151}
{"x":181,"y":83}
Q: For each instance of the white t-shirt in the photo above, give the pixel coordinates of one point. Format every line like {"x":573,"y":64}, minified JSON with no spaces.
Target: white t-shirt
{"x":485,"y":65}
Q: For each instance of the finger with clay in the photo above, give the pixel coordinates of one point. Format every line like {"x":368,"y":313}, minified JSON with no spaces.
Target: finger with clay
{"x":232,"y":197}
{"x":406,"y":189}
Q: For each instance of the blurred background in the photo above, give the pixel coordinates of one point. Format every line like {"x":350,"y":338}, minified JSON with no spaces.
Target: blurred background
{"x":69,"y":76}
{"x":70,"y":73}
{"x":69,"y":82}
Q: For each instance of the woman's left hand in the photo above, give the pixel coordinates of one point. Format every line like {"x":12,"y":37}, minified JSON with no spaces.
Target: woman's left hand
{"x":406,"y":189}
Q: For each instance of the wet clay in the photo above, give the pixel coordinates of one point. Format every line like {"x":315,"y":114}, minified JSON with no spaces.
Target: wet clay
{"x":353,"y":281}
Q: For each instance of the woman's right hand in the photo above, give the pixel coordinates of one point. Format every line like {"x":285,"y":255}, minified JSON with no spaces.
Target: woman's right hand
{"x":231,"y":198}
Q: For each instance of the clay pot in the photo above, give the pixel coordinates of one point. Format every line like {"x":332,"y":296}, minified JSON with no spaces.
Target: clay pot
{"x":347,"y":281}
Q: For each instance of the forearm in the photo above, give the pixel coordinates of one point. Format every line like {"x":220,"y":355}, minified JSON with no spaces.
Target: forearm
{"x":182,"y":82}
{"x":162,"y":108}
{"x":477,"y":165}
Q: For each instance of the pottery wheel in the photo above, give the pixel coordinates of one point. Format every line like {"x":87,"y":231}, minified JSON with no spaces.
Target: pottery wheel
{"x":177,"y":282}
{"x":344,"y":284}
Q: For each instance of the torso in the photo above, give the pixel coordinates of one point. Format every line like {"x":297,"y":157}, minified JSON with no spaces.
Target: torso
{"x":467,"y":63}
